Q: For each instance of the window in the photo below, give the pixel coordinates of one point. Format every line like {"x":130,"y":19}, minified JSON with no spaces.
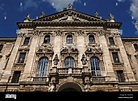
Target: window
{"x":47,"y":39}
{"x":136,"y":47}
{"x":21,"y":57}
{"x":120,"y":76}
{"x":42,"y":67}
{"x":1,"y":46}
{"x":26,"y":41}
{"x":69,"y":62}
{"x":16,"y":76}
{"x":91,"y":39}
{"x":69,"y":39}
{"x":95,"y":66}
{"x":111,"y":41}
{"x":115,"y":57}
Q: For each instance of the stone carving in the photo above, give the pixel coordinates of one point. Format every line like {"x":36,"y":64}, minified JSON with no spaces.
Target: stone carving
{"x":27,"y":18}
{"x":87,"y":88}
{"x":84,"y":59}
{"x":70,"y":6}
{"x":51,"y":88}
{"x":93,"y":50}
{"x":96,"y":14}
{"x":45,"y":48}
{"x":56,"y":60}
{"x":69,"y":49}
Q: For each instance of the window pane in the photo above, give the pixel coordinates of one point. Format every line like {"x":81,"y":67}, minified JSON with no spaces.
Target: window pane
{"x":42,"y":67}
{"x":120,"y":76}
{"x":111,"y":40}
{"x":26,"y":41}
{"x":47,"y":39}
{"x":91,"y":39}
{"x":115,"y":57}
{"x":16,"y":76}
{"x":95,"y":66}
{"x":21,"y":57}
{"x":69,"y":39}
{"x":136,"y":47}
{"x":69,"y":62}
{"x":1,"y":46}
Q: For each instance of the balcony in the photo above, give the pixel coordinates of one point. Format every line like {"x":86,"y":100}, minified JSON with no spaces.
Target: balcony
{"x":40,"y":80}
{"x":69,"y":71}
{"x":98,"y":79}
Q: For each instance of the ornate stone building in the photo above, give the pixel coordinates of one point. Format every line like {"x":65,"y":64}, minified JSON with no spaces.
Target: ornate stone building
{"x":68,"y":51}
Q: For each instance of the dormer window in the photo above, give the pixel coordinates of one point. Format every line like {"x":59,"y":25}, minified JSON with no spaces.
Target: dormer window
{"x":69,"y":39}
{"x":47,"y":39}
{"x":91,"y":39}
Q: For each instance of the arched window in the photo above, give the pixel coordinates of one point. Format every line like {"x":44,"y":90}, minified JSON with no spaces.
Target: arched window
{"x":136,"y":47}
{"x":47,"y":39}
{"x":69,"y":39}
{"x":42,"y":67}
{"x":95,"y":66}
{"x":91,"y":39}
{"x":69,"y":62}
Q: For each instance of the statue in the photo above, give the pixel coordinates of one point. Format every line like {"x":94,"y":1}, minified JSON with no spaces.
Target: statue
{"x":111,"y":16}
{"x":42,"y":14}
{"x":70,"y":6}
{"x":96,"y":14}
{"x":56,"y":60}
{"x":84,"y":59}
{"x":51,"y":88}
{"x":27,"y":17}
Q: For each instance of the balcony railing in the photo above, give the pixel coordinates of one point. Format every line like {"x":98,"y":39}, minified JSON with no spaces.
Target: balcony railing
{"x":69,"y":71}
{"x":40,"y":79}
{"x":98,"y":79}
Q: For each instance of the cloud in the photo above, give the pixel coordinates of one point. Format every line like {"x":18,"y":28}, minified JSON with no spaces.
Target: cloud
{"x":134,"y":12}
{"x":121,"y":0}
{"x":1,"y":6}
{"x":28,"y":4}
{"x":60,"y":4}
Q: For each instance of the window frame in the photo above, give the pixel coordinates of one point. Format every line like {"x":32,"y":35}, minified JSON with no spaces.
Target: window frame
{"x":47,"y":39}
{"x":111,"y":40}
{"x":91,"y":39}
{"x":16,"y":77}
{"x":135,"y":46}
{"x":1,"y":47}
{"x":121,"y":77}
{"x":69,"y":39}
{"x":95,"y":66}
{"x":24,"y":57}
{"x":26,"y":42}
{"x":115,"y":57}
{"x":42,"y":66}
{"x":71,"y":62}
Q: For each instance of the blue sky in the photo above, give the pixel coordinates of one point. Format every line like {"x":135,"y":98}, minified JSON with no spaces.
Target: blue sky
{"x":13,"y":11}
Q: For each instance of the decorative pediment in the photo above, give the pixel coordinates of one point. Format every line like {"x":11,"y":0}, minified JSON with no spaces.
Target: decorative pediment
{"x":69,"y":15}
{"x":45,"y":49}
{"x":93,"y":49}
{"x":69,"y":49}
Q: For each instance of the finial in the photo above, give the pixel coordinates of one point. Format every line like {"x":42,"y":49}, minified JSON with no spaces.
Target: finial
{"x":42,"y":14}
{"x":70,"y":6}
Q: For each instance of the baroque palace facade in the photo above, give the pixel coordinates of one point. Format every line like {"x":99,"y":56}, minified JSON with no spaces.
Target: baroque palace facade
{"x":69,"y":51}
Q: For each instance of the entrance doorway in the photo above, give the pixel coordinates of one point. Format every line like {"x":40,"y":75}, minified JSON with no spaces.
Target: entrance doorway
{"x":70,"y":87}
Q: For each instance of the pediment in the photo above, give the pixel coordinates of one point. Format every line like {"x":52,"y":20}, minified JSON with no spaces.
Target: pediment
{"x":70,"y":15}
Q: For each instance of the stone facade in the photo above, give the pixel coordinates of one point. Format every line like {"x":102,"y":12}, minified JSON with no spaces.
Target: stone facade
{"x":99,"y":58}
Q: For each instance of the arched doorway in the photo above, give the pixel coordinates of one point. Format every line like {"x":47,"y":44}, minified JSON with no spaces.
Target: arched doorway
{"x":70,"y":87}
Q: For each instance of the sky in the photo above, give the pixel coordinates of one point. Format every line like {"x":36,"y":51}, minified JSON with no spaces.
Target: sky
{"x":13,"y":11}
